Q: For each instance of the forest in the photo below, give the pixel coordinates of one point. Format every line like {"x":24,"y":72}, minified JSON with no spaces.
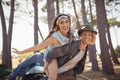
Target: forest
{"x":37,"y":16}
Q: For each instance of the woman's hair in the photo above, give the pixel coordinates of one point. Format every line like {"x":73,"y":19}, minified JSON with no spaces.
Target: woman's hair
{"x":56,"y":25}
{"x":93,"y":38}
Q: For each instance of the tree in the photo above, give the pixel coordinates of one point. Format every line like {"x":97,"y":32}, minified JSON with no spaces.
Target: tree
{"x":91,"y":16}
{"x":57,"y":7}
{"x":113,"y":55}
{"x":93,"y":57}
{"x":93,"y":47}
{"x":50,"y":12}
{"x":107,"y":66}
{"x":85,"y":21}
{"x":6,"y":56}
{"x":78,"y":24}
{"x":35,"y":22}
{"x":10,"y":33}
{"x":4,"y":34}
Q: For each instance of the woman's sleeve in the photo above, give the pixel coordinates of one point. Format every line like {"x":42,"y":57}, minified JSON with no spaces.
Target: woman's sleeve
{"x":58,"y":52}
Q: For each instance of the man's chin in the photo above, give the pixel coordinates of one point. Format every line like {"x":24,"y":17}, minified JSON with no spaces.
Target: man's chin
{"x":86,"y":42}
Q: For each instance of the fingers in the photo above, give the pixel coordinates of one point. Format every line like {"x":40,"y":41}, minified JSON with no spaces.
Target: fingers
{"x":46,"y":72}
{"x":14,"y":50}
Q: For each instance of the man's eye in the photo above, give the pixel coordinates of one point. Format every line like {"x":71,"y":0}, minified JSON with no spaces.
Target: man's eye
{"x":89,"y":34}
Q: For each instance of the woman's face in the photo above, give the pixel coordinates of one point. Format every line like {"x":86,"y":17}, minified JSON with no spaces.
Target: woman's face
{"x":64,"y":25}
{"x":86,"y":37}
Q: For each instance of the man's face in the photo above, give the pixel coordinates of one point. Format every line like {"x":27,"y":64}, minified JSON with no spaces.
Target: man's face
{"x":86,"y":37}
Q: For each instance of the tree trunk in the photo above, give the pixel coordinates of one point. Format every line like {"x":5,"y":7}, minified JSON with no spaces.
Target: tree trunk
{"x":113,"y":55}
{"x":10,"y":34}
{"x":40,"y":33}
{"x":6,"y":56}
{"x":107,"y":66}
{"x":93,"y":47}
{"x":93,"y":57}
{"x":83,"y":12}
{"x":57,"y":7}
{"x":50,"y":13}
{"x":78,"y":23}
{"x":35,"y":22}
{"x":4,"y":32}
{"x":91,"y":16}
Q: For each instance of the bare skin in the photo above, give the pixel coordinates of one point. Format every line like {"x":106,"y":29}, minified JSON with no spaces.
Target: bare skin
{"x":86,"y":38}
{"x":41,"y":46}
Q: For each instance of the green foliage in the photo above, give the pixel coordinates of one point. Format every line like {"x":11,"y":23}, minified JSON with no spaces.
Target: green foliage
{"x":117,"y":50}
{"x":40,"y":0}
{"x":44,"y":19}
{"x":44,"y":8}
{"x":114,"y":22}
{"x":6,"y":3}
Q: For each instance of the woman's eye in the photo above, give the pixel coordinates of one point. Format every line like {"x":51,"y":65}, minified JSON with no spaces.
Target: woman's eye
{"x":67,"y":21}
{"x":61,"y":22}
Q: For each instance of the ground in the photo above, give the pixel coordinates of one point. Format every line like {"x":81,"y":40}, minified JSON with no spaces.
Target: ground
{"x":88,"y":74}
{"x":92,"y":75}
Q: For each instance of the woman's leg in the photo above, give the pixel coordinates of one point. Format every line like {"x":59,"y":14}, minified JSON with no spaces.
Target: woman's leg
{"x":36,"y":58}
{"x":53,"y":70}
{"x":46,"y":67}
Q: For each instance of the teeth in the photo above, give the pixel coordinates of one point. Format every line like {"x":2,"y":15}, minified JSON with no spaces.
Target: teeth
{"x":86,"y":41}
{"x":65,"y":28}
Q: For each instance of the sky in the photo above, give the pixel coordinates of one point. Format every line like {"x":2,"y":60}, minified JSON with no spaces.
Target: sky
{"x":23,"y":36}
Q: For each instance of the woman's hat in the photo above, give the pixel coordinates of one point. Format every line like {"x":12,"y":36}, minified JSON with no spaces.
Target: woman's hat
{"x":86,"y":28}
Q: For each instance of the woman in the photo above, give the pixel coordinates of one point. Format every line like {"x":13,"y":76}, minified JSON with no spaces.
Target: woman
{"x":71,"y":57}
{"x":59,"y":35}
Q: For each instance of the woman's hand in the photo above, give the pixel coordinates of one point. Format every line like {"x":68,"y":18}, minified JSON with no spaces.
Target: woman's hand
{"x":16,"y":51}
